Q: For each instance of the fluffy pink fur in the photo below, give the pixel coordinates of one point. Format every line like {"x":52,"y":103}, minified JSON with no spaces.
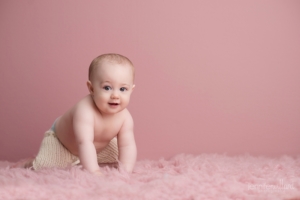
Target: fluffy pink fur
{"x":207,"y":176}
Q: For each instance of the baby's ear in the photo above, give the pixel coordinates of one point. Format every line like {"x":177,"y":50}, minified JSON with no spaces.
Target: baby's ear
{"x":90,"y":87}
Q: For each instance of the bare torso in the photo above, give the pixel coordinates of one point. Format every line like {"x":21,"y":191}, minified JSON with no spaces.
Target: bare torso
{"x":105,"y":127}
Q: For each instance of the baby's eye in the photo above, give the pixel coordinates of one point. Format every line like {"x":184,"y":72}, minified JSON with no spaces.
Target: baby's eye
{"x":107,"y":88}
{"x":122,"y":89}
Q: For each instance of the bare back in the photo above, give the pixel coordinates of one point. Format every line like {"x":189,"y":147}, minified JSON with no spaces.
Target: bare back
{"x":105,"y":127}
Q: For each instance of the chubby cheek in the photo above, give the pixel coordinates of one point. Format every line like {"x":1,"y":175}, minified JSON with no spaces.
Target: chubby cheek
{"x":100,"y":99}
{"x":125,"y":100}
{"x":102,"y":96}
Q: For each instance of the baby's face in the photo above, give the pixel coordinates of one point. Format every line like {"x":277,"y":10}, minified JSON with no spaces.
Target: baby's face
{"x":112,"y":85}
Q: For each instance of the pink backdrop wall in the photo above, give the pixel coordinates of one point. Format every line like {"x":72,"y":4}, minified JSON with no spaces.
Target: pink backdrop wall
{"x":211,"y":76}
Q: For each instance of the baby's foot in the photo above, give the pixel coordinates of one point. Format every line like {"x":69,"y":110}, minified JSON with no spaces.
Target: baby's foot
{"x":25,"y":163}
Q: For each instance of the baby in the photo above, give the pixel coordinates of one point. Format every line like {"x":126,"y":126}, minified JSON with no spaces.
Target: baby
{"x":99,"y":128}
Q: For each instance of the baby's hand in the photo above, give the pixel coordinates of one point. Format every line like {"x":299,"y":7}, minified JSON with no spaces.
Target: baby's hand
{"x":98,"y":173}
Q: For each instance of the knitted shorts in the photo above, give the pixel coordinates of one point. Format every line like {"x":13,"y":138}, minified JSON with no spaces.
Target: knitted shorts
{"x":52,"y":153}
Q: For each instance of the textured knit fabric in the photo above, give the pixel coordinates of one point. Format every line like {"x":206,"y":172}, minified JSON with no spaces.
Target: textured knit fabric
{"x":53,"y":154}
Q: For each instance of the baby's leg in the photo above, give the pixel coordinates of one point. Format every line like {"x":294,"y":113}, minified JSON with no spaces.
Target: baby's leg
{"x":110,"y":153}
{"x":53,"y":154}
{"x":25,"y":163}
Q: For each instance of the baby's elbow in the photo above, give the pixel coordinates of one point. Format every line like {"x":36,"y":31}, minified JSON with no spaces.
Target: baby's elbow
{"x":84,"y":143}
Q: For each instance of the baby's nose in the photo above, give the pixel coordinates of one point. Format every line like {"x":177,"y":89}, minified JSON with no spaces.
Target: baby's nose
{"x":115,"y":95}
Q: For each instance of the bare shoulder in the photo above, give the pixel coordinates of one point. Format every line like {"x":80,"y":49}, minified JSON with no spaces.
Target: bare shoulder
{"x":128,"y":120}
{"x":126,"y":133}
{"x":84,"y":109}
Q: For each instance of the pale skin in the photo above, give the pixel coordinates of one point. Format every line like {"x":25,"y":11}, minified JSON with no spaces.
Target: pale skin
{"x":96,"y":119}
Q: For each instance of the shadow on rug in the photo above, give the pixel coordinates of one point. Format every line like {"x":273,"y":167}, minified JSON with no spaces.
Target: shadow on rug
{"x":206,"y":176}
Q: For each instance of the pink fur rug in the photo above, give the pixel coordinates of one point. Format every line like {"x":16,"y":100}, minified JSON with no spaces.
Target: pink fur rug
{"x":206,"y":176}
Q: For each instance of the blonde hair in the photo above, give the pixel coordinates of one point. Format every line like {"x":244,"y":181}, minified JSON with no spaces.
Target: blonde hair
{"x":110,"y":57}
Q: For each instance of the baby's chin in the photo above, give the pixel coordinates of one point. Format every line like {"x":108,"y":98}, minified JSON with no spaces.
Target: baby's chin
{"x":111,"y":111}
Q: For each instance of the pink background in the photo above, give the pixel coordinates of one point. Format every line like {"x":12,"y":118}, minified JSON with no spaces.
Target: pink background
{"x":211,"y":76}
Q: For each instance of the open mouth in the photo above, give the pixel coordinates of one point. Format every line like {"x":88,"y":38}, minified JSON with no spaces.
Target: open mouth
{"x":113,"y":104}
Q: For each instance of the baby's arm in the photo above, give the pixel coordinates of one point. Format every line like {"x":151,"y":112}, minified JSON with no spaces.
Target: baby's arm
{"x":83,"y":125}
{"x":126,"y":145}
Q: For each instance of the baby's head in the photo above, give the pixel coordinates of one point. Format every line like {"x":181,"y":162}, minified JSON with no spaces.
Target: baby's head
{"x":110,"y":58}
{"x":110,"y":82}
